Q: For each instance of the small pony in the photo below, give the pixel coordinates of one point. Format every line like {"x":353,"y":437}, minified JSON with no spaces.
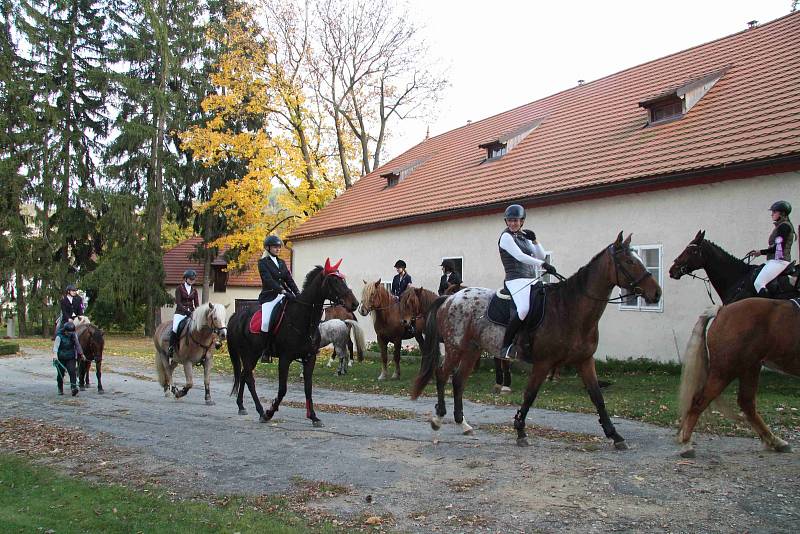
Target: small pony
{"x":195,"y":346}
{"x":337,"y":332}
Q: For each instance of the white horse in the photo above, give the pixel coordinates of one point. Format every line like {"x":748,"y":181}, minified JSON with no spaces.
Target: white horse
{"x":337,"y":332}
{"x":196,"y":345}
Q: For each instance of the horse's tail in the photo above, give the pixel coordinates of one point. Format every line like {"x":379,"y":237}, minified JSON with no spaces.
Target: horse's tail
{"x":358,"y":335}
{"x":430,"y":349}
{"x":161,"y":369}
{"x":695,"y":363}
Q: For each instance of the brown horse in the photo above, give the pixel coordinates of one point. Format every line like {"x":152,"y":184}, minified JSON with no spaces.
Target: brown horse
{"x":388,"y":321}
{"x":741,"y":338}
{"x":568,"y":334}
{"x":414,"y":305}
{"x":92,"y":342}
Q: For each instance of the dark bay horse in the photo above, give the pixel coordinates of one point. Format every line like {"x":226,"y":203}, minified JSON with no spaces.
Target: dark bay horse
{"x":92,"y":342}
{"x":731,"y":277}
{"x":388,"y":321}
{"x":567,"y":336}
{"x":297,"y":339}
{"x":741,"y":338}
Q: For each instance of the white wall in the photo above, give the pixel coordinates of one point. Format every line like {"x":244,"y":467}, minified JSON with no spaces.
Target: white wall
{"x":227,"y":298}
{"x":733,"y":213}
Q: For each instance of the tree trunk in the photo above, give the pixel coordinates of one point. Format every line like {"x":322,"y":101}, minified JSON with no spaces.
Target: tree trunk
{"x":21,"y":308}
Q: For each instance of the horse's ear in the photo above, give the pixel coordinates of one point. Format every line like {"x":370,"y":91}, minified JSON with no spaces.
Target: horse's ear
{"x":378,"y":282}
{"x":701,"y":234}
{"x":618,"y":242}
{"x":627,"y":242}
{"x":228,"y":305}
{"x":365,"y":282}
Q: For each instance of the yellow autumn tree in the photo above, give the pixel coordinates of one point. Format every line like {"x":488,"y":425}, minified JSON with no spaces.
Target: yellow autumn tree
{"x":261,"y":117}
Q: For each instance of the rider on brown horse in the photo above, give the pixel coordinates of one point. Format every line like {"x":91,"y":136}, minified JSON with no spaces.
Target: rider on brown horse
{"x":779,"y":252}
{"x":186,"y":300}
{"x":71,"y":307}
{"x":276,"y":284}
{"x":521,"y":254}
{"x":449,"y":276}
{"x":401,"y":280}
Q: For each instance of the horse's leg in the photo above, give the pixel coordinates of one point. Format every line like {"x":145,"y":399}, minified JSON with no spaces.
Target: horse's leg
{"x":459,"y":380}
{"x":248,"y":377}
{"x":97,"y":364}
{"x":207,"y":379}
{"x":283,"y":377}
{"x":537,"y":377}
{"x":349,"y":347}
{"x":715,"y":385}
{"x":748,"y":386}
{"x":382,"y":342}
{"x":308,"y":372}
{"x":83,"y":374}
{"x":398,"y":346}
{"x":187,"y":371}
{"x":589,"y":376}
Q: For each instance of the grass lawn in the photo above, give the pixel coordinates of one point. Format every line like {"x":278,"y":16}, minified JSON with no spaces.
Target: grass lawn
{"x":35,"y":499}
{"x":641,"y":390}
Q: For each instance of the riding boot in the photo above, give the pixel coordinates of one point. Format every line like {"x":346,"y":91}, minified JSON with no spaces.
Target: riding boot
{"x":173,"y":342}
{"x":266,"y":354}
{"x":507,"y":352}
{"x":763,"y":292}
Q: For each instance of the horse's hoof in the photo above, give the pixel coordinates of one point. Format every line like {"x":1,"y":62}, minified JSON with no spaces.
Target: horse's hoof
{"x":436,"y":423}
{"x":210,"y":402}
{"x":467,"y":432}
{"x":785,"y":447}
{"x":382,"y":376}
{"x":265,"y":418}
{"x":101,"y":391}
{"x":396,"y":376}
{"x":621,"y":445}
{"x":242,"y":412}
{"x":317,"y":424}
{"x":523,"y":442}
{"x":83,"y":388}
{"x":687,"y":452}
{"x":505,"y":390}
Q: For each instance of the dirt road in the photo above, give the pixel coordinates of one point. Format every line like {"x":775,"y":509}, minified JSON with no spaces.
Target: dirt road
{"x":380,"y":449}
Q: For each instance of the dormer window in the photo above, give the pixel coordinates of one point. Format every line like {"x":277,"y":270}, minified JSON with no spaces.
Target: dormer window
{"x":494,"y":149}
{"x":392,"y":179}
{"x":500,"y":146}
{"x":397,"y":175}
{"x":675,"y":103}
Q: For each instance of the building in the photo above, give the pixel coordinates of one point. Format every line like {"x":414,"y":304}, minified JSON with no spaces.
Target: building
{"x":705,"y":138}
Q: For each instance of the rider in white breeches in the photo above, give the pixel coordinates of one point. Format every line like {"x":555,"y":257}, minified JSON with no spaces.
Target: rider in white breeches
{"x":779,"y":252}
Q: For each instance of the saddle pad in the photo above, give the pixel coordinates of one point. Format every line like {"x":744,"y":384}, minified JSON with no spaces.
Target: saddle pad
{"x":274,"y":321}
{"x":500,"y":309}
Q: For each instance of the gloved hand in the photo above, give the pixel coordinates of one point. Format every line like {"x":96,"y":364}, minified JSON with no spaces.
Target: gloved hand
{"x":529,"y":234}
{"x":548,"y":268}
{"x":288,"y":295}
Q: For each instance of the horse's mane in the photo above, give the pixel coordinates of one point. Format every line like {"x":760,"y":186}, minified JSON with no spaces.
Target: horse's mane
{"x":575,"y":285}
{"x":370,"y":288}
{"x":199,"y":315}
{"x":725,"y":254}
{"x":311,"y":275}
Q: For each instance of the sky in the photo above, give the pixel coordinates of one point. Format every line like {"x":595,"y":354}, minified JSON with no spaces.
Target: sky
{"x":498,"y":55}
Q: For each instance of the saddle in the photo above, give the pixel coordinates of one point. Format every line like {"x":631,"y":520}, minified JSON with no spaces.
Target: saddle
{"x":275,"y":320}
{"x":182,"y":325}
{"x":501,"y":307}
{"x":783,"y":284}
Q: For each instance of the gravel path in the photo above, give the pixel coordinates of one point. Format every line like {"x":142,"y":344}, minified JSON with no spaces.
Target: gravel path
{"x":380,"y":448}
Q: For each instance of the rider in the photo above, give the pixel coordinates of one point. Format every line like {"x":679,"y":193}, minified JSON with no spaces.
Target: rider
{"x":66,"y":349}
{"x":779,"y":252}
{"x":449,"y":276}
{"x":521,"y":254}
{"x":276,"y":284}
{"x":401,"y":280}
{"x":71,"y":306}
{"x":186,"y":300}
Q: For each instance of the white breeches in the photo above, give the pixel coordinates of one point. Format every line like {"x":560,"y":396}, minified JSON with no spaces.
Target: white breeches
{"x":266,"y":312}
{"x":770,"y":271}
{"x":176,"y":320}
{"x":521,"y":293}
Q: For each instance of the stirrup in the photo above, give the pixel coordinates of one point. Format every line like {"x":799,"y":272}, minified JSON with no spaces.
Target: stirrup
{"x":266,"y":357}
{"x":507,"y":353}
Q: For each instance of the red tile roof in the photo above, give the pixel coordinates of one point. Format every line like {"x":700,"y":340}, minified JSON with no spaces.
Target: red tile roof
{"x":596,"y":135}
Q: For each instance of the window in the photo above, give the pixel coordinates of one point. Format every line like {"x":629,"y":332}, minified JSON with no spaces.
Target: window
{"x":220,"y":280}
{"x":666,"y":110}
{"x":392,"y":179}
{"x":458,"y":264}
{"x":387,"y":285}
{"x":546,"y":278}
{"x":651,"y":258}
{"x":497,"y":151}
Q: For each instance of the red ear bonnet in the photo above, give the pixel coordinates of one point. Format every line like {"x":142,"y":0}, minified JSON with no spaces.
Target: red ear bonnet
{"x":332,"y":269}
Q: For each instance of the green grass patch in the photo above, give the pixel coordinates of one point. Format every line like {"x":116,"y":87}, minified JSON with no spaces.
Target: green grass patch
{"x":34,"y":499}
{"x":8,"y":347}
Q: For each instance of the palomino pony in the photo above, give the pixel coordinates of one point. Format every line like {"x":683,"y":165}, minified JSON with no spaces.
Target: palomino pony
{"x":744,"y":336}
{"x":92,"y":342}
{"x":337,"y":333}
{"x":195,"y":346}
{"x":731,"y":277}
{"x":388,"y":321}
{"x":297,"y":338}
{"x":343,"y":314}
{"x":567,"y":335}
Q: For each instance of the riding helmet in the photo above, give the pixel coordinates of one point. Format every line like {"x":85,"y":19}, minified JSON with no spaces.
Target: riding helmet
{"x":71,"y":287}
{"x":272,"y":241}
{"x":189,"y":273}
{"x":399,"y":264}
{"x":69,"y":327}
{"x":781,"y":205}
{"x":448,"y":266}
{"x":515,"y":211}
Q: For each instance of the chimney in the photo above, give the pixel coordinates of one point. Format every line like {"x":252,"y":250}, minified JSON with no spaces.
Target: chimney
{"x":752,"y":24}
{"x":580,"y":82}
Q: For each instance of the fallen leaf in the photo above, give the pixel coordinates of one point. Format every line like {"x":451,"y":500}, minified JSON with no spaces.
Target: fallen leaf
{"x":373,"y":520}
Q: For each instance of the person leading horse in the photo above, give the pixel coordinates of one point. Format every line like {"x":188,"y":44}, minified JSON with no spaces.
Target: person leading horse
{"x":276,"y":284}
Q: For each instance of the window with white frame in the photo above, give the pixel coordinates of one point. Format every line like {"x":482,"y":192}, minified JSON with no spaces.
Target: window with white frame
{"x":458,"y":264}
{"x":387,"y":285}
{"x":651,"y":258}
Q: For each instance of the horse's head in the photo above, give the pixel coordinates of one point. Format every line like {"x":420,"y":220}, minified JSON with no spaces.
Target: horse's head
{"x":691,"y":259}
{"x":214,"y":318}
{"x":372,"y":297}
{"x":410,"y":304}
{"x":334,"y":286}
{"x":630,"y":273}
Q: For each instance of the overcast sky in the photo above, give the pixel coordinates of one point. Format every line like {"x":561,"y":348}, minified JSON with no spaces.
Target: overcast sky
{"x":502,"y":54}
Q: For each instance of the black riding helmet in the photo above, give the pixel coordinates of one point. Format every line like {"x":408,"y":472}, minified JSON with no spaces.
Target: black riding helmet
{"x":399,"y":264}
{"x":515,"y":211}
{"x":272,"y":241}
{"x":448,"y":266}
{"x":781,"y":205}
{"x":189,"y":273}
{"x":71,"y":287}
{"x":69,"y":327}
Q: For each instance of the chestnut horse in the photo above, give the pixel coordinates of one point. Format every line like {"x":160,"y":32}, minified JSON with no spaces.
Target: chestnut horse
{"x":741,"y":338}
{"x":568,"y":334}
{"x":388,"y":321}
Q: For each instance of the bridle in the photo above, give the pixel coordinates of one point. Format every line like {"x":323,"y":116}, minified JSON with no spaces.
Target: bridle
{"x":632,"y":281}
{"x":683,"y":271}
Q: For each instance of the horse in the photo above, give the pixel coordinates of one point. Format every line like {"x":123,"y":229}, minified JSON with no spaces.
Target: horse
{"x":339,"y":312}
{"x":741,"y":338}
{"x":387,"y":319}
{"x":92,"y":342}
{"x":567,"y":335}
{"x":337,"y":332}
{"x":195,"y":346}
{"x":731,"y":277}
{"x":296,"y":339}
